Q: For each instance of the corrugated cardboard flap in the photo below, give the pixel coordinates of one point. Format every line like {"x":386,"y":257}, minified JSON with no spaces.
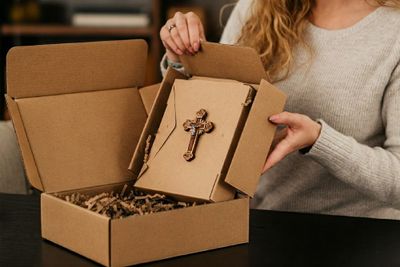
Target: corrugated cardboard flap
{"x":256,"y":139}
{"x":226,"y":61}
{"x":77,"y":67}
{"x":154,"y":119}
{"x":76,"y":110}
{"x":29,"y":161}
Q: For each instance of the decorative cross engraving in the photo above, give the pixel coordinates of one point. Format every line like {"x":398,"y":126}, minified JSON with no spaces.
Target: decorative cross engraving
{"x":196,"y":127}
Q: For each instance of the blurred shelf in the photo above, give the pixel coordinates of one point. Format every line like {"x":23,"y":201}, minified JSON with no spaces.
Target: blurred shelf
{"x":63,"y":30}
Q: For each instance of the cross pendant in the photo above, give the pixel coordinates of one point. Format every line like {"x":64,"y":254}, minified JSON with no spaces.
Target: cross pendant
{"x":196,"y":128}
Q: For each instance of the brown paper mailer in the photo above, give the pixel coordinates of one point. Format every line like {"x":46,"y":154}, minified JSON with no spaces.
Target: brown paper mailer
{"x":77,"y":111}
{"x":232,"y":63}
{"x":167,"y":171}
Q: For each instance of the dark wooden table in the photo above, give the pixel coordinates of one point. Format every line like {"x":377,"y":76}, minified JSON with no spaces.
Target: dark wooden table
{"x":276,"y":238}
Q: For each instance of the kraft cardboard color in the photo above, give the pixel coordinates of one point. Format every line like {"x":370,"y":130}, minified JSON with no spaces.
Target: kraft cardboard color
{"x":244,"y":171}
{"x":140,"y":239}
{"x":73,"y":68}
{"x":166,"y":169}
{"x":154,"y":119}
{"x":179,"y":232}
{"x":226,"y":61}
{"x":70,"y":121}
{"x":75,"y":228}
{"x":86,"y":139}
{"x":26,"y":151}
{"x":148,"y":94}
{"x":256,"y":139}
{"x":92,"y":86}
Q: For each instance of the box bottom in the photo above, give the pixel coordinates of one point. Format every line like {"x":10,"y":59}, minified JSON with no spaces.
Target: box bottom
{"x":146,"y":238}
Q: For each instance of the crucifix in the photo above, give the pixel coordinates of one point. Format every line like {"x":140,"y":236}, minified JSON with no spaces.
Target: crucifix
{"x":196,"y":128}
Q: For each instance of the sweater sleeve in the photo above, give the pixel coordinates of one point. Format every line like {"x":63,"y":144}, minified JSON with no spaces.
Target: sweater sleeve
{"x":164,"y":66}
{"x":375,"y":171}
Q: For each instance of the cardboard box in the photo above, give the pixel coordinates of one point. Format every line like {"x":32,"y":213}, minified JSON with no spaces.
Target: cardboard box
{"x":78,"y":113}
{"x":171,"y":168}
{"x":233,"y":64}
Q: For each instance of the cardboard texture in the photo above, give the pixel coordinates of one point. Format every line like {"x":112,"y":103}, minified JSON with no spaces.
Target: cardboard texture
{"x":178,"y":232}
{"x":86,"y":111}
{"x":76,"y":229}
{"x":244,"y":160}
{"x":226,"y":61}
{"x":70,"y":68}
{"x":250,"y":156}
{"x":78,"y":115}
{"x":91,"y":132}
{"x":148,"y":95}
{"x":166,"y":170}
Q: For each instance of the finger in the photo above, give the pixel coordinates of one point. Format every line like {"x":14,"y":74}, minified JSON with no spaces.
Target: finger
{"x":194,"y":32}
{"x":164,"y":36}
{"x":169,"y":42}
{"x":177,"y":39}
{"x":167,"y":37}
{"x":181,"y":26}
{"x":287,"y":118}
{"x":168,"y":48}
{"x":281,"y":150}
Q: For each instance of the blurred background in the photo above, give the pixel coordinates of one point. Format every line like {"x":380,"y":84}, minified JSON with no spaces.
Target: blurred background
{"x":30,"y":22}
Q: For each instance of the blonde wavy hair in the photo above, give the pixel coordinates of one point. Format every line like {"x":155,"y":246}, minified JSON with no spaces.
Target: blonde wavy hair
{"x":275,"y":27}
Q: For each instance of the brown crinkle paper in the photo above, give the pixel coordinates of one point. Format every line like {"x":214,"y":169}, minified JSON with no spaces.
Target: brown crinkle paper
{"x":123,"y":204}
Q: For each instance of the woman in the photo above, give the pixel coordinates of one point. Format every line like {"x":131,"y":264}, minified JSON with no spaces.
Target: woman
{"x":338,"y":62}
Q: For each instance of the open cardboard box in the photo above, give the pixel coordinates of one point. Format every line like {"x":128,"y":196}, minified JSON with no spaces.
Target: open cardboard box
{"x":79,"y":113}
{"x":216,"y":66}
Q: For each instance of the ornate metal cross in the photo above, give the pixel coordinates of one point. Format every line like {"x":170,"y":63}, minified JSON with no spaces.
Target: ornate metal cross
{"x":196,"y":127}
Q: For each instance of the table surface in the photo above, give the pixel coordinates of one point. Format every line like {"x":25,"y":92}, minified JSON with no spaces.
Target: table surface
{"x":276,"y":238}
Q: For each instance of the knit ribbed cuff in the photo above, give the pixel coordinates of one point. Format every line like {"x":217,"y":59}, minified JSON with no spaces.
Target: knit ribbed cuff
{"x":164,"y":66}
{"x":332,"y":148}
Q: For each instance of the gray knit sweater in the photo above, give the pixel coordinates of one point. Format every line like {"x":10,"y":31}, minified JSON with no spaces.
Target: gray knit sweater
{"x":352,"y":86}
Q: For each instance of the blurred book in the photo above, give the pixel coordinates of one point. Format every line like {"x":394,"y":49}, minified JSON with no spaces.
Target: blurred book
{"x":107,"y":16}
{"x":110,"y":20}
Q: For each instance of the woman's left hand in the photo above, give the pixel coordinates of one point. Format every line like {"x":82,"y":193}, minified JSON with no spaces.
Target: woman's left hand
{"x":301,"y":132}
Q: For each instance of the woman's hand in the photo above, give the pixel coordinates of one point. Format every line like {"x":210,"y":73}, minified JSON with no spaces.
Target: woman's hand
{"x":182,"y":35}
{"x":301,"y":132}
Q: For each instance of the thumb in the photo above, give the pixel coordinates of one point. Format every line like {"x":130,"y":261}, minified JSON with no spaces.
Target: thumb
{"x":285,"y":118}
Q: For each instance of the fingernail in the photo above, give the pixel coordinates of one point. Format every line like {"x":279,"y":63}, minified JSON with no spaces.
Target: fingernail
{"x":196,"y":46}
{"x":273,"y":118}
{"x":179,"y":52}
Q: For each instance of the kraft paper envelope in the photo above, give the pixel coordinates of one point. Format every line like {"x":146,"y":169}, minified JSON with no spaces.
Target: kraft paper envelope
{"x":166,"y":170}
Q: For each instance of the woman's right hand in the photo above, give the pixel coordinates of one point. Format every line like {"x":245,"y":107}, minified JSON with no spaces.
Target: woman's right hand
{"x":182,"y":35}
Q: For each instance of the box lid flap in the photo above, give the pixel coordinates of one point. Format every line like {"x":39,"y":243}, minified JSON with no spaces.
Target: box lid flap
{"x":70,"y":68}
{"x":76,"y":137}
{"x":148,"y":95}
{"x":256,"y":139}
{"x":225,"y":61}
